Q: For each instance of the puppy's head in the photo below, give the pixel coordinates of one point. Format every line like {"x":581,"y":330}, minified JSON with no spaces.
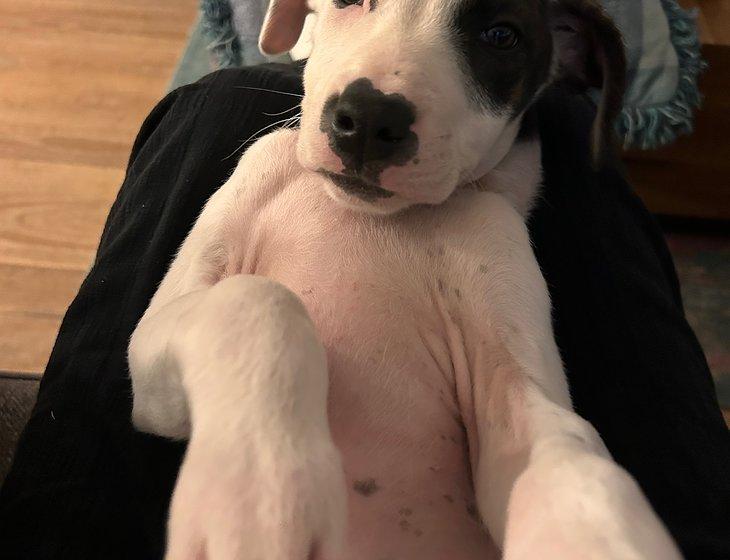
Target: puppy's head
{"x":407,"y":99}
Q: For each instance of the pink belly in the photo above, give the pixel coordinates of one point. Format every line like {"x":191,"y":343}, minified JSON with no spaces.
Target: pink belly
{"x":394,"y":418}
{"x":392,"y":402}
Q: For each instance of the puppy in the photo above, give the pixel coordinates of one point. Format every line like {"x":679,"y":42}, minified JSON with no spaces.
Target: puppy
{"x":355,"y":337}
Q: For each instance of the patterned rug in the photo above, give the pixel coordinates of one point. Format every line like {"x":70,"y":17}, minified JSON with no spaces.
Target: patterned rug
{"x":703,"y":266}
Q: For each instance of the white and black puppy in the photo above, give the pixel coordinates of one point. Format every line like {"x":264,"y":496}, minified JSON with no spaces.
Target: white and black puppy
{"x":356,"y":337}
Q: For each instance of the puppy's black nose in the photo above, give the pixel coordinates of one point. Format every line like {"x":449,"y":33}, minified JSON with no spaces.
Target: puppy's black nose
{"x":366,"y":126}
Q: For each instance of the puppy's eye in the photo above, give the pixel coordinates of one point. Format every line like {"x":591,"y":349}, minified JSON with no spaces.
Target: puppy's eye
{"x":500,"y":37}
{"x":345,"y":3}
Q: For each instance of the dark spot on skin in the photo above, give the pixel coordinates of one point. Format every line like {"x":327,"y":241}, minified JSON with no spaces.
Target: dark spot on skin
{"x":483,"y":268}
{"x":443,"y":437}
{"x":308,"y":292}
{"x":471,"y":509}
{"x":434,"y":469}
{"x":405,"y":511}
{"x":457,"y":291}
{"x":416,"y":161}
{"x":449,"y":498}
{"x":404,"y":525}
{"x":440,"y":285}
{"x":417,"y":532}
{"x":454,"y":440}
{"x":397,"y":73}
{"x":366,"y":487}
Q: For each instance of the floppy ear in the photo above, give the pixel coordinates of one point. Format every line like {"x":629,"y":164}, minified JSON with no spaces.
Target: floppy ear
{"x":282,"y":25}
{"x":590,"y":53}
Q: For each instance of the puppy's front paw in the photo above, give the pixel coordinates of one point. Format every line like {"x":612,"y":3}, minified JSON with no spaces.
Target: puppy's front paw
{"x":583,"y":506}
{"x":281,"y":502}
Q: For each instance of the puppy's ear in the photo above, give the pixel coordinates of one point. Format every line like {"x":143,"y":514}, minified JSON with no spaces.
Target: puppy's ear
{"x":590,"y":53}
{"x":282,"y":25}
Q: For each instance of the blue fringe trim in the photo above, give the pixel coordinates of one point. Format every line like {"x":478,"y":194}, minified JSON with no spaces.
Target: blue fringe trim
{"x":217,"y":22}
{"x":657,"y":125}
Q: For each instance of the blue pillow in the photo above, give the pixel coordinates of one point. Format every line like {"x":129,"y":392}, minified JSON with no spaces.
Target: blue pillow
{"x":664,"y":63}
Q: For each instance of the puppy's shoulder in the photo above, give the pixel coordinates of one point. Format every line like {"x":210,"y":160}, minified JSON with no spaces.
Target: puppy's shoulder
{"x":487,"y":248}
{"x":518,"y":176}
{"x":263,"y":172}
{"x":271,"y":157}
{"x":484,"y":220}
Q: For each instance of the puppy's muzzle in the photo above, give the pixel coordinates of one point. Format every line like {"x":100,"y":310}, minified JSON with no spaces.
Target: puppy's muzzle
{"x":369,"y":130}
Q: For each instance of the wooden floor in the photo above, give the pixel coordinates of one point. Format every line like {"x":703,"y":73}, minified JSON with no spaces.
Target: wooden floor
{"x":76,"y":79}
{"x":713,"y":18}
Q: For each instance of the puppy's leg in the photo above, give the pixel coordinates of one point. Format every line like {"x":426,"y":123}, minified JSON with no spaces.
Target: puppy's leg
{"x":546,"y":485}
{"x":238,"y":367}
{"x":261,"y":477}
{"x":160,"y":403}
{"x":160,"y":400}
{"x":234,"y":364}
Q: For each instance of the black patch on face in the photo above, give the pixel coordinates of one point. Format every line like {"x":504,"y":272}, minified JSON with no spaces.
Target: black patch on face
{"x":345,"y":3}
{"x":504,"y":79}
{"x":339,"y":4}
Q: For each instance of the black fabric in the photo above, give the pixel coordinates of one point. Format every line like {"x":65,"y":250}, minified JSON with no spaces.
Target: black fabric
{"x":85,"y":485}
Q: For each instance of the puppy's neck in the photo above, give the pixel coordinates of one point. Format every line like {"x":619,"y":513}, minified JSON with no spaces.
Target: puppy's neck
{"x":518,"y":175}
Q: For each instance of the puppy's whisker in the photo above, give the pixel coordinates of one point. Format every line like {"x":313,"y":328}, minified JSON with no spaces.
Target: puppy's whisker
{"x":269,"y":90}
{"x":282,"y":112}
{"x":295,"y":121}
{"x":267,"y":127}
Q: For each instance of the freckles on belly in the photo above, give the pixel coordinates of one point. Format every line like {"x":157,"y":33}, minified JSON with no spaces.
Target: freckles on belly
{"x":394,"y":417}
{"x":406,"y":463}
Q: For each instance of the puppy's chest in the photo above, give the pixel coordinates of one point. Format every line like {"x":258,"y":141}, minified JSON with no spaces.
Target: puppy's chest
{"x":364,"y":283}
{"x":376,"y":289}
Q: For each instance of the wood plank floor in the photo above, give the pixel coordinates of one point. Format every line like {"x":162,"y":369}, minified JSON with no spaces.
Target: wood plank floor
{"x":76,"y":79}
{"x":714,"y":20}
